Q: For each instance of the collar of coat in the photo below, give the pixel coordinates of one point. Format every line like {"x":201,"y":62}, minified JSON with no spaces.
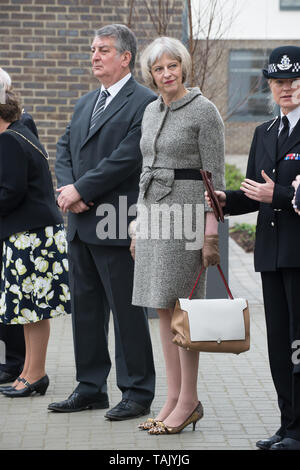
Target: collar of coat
{"x":193,"y":93}
{"x":270,"y":139}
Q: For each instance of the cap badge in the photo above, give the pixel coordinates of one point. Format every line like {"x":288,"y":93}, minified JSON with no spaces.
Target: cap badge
{"x":285,"y":63}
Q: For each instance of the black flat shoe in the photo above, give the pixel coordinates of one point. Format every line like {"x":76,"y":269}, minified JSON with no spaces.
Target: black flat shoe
{"x":265,"y":444}
{"x":7,"y":378}
{"x":286,"y":444}
{"x":40,"y":386}
{"x":127,"y":409}
{"x":79,"y":402}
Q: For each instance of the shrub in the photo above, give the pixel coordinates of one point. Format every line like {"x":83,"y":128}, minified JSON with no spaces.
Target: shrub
{"x":248,"y":229}
{"x":233,"y":177}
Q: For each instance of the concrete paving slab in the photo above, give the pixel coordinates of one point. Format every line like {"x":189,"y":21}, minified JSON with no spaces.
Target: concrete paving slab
{"x":236,"y":391}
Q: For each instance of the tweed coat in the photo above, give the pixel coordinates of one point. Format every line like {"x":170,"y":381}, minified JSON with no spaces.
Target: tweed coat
{"x":188,"y":134}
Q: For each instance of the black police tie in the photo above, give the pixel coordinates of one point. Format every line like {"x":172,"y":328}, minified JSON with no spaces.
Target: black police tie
{"x":284,"y":134}
{"x":99,"y":108}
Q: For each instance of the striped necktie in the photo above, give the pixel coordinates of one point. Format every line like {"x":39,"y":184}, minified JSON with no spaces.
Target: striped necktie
{"x":99,"y":108}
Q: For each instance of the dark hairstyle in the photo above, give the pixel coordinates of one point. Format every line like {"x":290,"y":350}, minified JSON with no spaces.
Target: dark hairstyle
{"x":125,"y":39}
{"x":11,"y":110}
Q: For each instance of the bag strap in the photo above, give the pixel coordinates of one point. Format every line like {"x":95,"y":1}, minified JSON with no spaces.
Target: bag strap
{"x":223,"y":279}
{"x":29,"y":141}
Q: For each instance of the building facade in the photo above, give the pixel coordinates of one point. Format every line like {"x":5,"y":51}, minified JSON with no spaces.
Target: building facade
{"x":251,"y":29}
{"x":45,"y":47}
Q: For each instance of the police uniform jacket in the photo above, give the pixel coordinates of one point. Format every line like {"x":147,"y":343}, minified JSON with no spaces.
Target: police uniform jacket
{"x":278,"y":226}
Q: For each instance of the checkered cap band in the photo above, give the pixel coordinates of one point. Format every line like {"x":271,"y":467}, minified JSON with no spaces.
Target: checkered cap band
{"x":296,"y":67}
{"x":272,"y":68}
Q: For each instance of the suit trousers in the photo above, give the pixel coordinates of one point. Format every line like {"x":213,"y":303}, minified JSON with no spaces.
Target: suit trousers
{"x":281,"y":291}
{"x":101,"y":280}
{"x":13,"y":338}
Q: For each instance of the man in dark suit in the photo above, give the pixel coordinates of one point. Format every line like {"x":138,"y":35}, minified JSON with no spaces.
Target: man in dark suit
{"x":98,"y":166}
{"x":13,"y":338}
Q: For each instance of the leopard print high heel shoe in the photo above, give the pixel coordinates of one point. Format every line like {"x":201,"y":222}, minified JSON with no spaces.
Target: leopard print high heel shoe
{"x":146,"y":425}
{"x":161,"y":428}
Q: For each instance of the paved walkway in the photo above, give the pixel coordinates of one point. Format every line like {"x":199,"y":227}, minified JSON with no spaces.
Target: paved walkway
{"x":236,"y":391}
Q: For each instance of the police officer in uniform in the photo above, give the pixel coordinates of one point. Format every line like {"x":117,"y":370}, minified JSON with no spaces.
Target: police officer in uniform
{"x":274,"y":162}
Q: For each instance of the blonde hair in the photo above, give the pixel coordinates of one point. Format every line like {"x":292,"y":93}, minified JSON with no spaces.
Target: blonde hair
{"x":169,"y":46}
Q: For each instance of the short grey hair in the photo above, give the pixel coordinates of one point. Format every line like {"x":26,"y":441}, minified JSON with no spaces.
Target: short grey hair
{"x":5,"y":79}
{"x":125,"y":39}
{"x":164,"y":45}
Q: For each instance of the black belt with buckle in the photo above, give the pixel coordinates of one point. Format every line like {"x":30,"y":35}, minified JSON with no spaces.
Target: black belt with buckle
{"x":187,"y":174}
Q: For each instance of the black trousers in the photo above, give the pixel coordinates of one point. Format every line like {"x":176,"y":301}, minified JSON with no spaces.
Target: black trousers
{"x":13,"y":338}
{"x":101,"y":279}
{"x":281,"y":290}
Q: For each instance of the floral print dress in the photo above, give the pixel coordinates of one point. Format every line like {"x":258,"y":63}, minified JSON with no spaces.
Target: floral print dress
{"x":34,"y":278}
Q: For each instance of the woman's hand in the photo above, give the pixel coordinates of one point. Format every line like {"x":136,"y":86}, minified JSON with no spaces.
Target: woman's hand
{"x":220,"y":195}
{"x":296,"y":183}
{"x":262,"y":192}
{"x":210,"y":249}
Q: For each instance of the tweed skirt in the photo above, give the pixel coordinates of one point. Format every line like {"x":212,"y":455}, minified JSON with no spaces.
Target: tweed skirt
{"x":170,"y":236}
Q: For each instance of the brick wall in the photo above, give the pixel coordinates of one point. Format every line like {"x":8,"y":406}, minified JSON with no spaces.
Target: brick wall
{"x":44,"y":46}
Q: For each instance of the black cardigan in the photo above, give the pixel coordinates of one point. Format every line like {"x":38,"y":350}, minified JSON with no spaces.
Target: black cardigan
{"x":26,"y":191}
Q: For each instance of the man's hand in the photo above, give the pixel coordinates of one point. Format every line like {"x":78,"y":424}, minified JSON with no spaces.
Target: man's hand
{"x":132,"y":248}
{"x":79,"y":207}
{"x":262,"y":192}
{"x":67,"y":197}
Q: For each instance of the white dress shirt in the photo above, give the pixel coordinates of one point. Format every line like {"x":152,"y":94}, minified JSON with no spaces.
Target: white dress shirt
{"x":115,"y":88}
{"x":293,"y":118}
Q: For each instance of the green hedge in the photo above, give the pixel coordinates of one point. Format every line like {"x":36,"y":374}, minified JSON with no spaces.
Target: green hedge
{"x":248,"y":229}
{"x":233,"y":177}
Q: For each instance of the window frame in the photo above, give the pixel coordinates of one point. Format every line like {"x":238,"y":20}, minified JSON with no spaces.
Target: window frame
{"x":291,"y":7}
{"x":236,"y":117}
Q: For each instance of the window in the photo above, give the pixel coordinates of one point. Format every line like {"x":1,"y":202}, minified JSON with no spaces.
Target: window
{"x":289,"y":4}
{"x":248,"y":90}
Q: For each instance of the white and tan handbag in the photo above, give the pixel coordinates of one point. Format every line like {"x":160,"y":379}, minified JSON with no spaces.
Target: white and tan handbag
{"x":212,"y":325}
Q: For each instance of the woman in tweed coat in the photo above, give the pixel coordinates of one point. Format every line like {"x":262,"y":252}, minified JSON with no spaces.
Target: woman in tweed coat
{"x":182,"y":132}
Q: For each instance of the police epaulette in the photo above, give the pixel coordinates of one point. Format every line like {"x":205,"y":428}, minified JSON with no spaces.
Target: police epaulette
{"x":272,"y":123}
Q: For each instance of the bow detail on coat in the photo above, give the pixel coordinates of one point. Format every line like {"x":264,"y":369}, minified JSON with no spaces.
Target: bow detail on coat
{"x":160,"y":179}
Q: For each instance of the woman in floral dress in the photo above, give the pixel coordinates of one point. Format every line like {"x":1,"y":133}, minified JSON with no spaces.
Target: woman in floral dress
{"x":34,"y":272}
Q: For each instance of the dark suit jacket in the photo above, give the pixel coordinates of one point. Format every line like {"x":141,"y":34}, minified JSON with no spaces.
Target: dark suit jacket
{"x":278,"y":231}
{"x":26,"y":192}
{"x":105,"y":165}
